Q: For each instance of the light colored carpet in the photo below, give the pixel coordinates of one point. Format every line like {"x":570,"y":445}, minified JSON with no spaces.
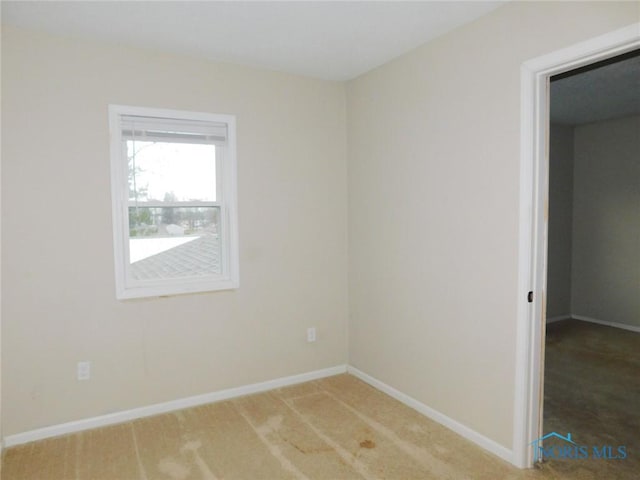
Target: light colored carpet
{"x":336,"y":428}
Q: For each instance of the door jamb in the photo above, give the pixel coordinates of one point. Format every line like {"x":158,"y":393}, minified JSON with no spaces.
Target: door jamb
{"x":533,"y":215}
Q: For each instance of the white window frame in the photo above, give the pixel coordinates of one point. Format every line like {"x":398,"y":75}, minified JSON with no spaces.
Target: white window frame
{"x":126,"y":285}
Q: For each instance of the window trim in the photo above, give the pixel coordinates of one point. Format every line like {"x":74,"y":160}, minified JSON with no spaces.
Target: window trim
{"x":226,"y":170}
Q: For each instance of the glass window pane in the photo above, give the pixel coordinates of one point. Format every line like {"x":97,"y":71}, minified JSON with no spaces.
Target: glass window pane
{"x":171,"y":172}
{"x":174,"y":242}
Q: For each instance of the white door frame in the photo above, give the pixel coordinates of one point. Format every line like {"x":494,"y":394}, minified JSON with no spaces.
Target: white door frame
{"x":533,"y":215}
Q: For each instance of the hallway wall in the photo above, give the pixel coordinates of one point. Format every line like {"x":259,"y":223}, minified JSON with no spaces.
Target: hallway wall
{"x":594,"y":222}
{"x":560,"y":221}
{"x":606,"y":222}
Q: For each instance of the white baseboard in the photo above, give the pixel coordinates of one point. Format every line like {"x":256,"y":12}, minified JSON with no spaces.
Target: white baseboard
{"x":582,"y":318}
{"x":558,"y":318}
{"x":462,"y":430}
{"x":623,"y":326}
{"x":127,"y":415}
{"x":159,"y":408}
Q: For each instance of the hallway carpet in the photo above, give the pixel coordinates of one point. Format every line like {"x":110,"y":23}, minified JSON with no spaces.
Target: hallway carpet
{"x":592,"y":390}
{"x":336,"y":428}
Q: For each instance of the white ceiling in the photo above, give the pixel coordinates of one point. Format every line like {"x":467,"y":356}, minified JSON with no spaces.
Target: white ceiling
{"x":607,"y":92}
{"x":329,"y":40}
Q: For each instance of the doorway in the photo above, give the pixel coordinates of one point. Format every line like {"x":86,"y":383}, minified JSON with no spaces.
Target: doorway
{"x":533,"y":228}
{"x":592,"y":337}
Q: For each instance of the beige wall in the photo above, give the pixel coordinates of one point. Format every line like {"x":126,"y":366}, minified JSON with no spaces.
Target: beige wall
{"x":59,"y":301}
{"x":433,"y":208}
{"x":560,"y":220}
{"x":606,"y":221}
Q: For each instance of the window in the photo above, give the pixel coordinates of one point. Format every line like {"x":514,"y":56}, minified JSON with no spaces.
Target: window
{"x":173,"y":182}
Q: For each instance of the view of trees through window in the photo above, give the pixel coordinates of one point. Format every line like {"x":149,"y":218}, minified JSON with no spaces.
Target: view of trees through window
{"x":172,"y":195}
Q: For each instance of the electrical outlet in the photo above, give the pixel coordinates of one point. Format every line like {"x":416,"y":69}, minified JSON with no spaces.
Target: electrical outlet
{"x":311,"y":334}
{"x":84,"y":370}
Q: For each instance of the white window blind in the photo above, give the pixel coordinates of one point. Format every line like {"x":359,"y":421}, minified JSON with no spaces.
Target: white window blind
{"x":173,"y":130}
